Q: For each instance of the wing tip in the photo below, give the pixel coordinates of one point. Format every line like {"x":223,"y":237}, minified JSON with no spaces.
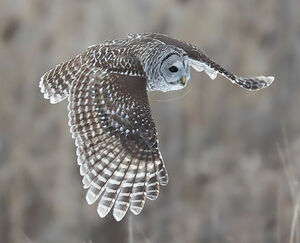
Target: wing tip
{"x":118,"y":214}
{"x":86,"y":181}
{"x":265,"y":81}
{"x":49,"y":93}
{"x":41,"y":84}
{"x":164,"y":182}
{"x":90,"y":197}
{"x":103,"y":210}
{"x":254,"y":83}
{"x":136,"y":210}
{"x":269,"y":79}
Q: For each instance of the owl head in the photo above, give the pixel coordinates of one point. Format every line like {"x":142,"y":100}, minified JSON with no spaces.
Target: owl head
{"x":170,"y":70}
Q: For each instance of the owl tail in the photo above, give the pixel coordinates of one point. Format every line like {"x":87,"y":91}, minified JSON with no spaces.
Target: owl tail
{"x":55,"y":84}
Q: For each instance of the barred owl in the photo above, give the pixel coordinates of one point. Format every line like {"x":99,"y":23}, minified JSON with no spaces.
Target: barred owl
{"x":110,"y":117}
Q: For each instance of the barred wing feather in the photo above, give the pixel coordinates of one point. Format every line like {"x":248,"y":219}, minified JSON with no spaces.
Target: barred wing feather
{"x":116,"y":141}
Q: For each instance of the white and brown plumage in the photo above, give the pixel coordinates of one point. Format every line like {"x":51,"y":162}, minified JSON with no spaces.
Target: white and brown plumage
{"x":110,"y":116}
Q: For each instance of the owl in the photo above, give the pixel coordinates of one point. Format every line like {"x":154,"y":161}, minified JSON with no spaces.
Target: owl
{"x":110,"y":117}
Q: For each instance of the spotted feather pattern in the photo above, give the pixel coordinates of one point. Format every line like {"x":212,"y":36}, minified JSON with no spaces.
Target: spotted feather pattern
{"x":116,"y":141}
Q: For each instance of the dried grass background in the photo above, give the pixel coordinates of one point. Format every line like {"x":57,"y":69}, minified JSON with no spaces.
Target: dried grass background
{"x":232,"y":155}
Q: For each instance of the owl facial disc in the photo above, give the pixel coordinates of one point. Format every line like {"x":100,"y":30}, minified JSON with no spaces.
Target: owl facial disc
{"x":175,"y":71}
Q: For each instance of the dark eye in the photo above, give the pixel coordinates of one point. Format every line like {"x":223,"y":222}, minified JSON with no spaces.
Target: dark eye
{"x":173,"y":69}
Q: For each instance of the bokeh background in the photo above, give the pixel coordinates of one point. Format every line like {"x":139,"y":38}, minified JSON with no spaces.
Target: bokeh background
{"x":232,"y":155}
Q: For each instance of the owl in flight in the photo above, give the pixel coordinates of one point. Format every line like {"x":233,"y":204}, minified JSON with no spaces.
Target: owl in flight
{"x":110,"y":117}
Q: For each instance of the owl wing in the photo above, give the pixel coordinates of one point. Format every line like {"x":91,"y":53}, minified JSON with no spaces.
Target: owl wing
{"x":200,"y":62}
{"x":116,"y":139}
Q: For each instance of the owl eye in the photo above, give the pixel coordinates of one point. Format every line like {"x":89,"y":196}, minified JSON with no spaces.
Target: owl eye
{"x":173,"y":69}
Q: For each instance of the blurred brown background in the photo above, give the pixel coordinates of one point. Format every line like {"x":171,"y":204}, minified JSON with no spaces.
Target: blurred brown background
{"x":232,"y":155}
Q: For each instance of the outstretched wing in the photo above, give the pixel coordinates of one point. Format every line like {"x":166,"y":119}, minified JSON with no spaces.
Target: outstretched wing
{"x":116,"y":141}
{"x":200,"y":62}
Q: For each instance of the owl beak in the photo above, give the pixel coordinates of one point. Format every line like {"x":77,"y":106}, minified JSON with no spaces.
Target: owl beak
{"x":183,"y":80}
